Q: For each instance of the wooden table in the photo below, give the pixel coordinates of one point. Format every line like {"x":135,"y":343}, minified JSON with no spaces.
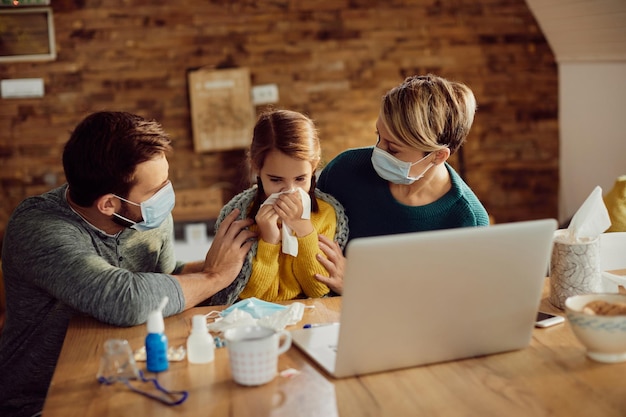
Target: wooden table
{"x":551,"y":377}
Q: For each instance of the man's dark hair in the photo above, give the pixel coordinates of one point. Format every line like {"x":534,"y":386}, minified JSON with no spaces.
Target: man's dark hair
{"x":104,"y":150}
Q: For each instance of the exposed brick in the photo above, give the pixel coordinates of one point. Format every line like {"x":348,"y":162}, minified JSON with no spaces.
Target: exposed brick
{"x":332,"y":59}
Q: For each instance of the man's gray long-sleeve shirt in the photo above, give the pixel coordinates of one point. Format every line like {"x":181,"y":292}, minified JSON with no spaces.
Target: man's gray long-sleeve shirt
{"x":57,"y":265}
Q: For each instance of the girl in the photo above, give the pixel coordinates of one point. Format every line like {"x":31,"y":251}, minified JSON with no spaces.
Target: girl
{"x":284,"y":156}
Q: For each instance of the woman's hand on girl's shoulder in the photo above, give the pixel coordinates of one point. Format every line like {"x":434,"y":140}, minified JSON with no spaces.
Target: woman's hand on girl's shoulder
{"x":334,"y":262}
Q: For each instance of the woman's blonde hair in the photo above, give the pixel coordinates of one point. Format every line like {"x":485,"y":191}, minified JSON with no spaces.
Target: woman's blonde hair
{"x":429,"y":113}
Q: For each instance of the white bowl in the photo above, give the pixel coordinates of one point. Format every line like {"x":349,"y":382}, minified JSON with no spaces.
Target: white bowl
{"x":603,"y":336}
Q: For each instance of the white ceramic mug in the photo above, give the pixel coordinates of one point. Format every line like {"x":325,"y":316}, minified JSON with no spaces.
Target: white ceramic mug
{"x":253,"y":353}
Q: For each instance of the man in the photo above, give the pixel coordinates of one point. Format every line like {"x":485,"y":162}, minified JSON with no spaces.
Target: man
{"x":99,"y":245}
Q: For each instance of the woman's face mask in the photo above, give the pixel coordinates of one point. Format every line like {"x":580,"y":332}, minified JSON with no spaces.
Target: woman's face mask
{"x":154,"y":210}
{"x":394,"y":170}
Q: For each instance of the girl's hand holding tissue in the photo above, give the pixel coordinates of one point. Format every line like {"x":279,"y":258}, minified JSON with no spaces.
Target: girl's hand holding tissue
{"x":287,"y":206}
{"x":291,"y":211}
{"x":267,"y":221}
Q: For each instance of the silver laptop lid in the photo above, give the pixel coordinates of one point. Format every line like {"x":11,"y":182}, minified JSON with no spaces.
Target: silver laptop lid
{"x":419,"y":298}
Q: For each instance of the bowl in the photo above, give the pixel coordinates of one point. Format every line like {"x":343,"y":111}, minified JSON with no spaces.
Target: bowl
{"x":604,"y":336}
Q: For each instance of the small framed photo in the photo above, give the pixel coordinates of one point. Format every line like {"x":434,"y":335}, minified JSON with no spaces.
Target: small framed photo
{"x":222,"y":114}
{"x":27,"y":34}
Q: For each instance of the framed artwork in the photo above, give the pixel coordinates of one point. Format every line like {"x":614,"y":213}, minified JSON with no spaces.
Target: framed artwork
{"x":27,"y":34}
{"x":222,"y":113}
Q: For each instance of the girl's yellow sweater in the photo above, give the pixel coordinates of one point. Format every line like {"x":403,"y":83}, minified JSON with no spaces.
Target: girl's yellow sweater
{"x":277,"y":276}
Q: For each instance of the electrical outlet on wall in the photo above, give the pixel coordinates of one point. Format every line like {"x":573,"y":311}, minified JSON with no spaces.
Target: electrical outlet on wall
{"x":22,"y":88}
{"x":264,"y":94}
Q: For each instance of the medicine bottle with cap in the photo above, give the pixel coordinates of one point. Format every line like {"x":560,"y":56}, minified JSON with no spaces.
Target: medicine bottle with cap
{"x":200,"y":344}
{"x":156,"y":341}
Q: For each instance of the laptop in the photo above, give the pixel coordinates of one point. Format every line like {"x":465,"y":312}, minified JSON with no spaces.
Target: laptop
{"x":426,"y":297}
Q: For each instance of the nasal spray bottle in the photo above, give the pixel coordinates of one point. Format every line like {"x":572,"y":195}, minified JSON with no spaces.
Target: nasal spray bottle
{"x":200,"y":344}
{"x":156,"y":341}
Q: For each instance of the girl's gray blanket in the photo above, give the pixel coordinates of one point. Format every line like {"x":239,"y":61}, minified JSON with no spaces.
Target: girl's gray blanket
{"x":243,"y":201}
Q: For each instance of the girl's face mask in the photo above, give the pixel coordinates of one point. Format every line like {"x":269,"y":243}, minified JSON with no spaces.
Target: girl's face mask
{"x":394,"y":170}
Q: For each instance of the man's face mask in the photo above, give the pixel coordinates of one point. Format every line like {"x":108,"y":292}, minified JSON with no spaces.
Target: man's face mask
{"x":394,"y":170}
{"x":154,"y":210}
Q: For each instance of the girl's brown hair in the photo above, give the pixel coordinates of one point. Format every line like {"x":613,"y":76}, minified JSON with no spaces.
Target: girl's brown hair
{"x":291,"y":133}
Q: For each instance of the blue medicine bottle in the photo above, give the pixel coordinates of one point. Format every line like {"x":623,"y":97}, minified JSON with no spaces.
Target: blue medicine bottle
{"x":156,"y":341}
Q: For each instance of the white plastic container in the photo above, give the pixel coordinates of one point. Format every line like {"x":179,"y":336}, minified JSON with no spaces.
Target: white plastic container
{"x":200,"y":344}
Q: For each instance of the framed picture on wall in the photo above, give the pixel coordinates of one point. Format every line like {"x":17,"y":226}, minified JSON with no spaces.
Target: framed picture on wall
{"x":27,"y":34}
{"x":222,"y":113}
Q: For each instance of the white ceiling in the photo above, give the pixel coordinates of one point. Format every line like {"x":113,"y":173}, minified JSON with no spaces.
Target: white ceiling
{"x":583,"y":30}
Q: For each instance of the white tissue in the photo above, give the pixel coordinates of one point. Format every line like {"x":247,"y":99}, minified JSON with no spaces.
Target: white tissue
{"x":284,"y":318}
{"x":591,"y":219}
{"x":289,"y":241}
{"x":234,"y":319}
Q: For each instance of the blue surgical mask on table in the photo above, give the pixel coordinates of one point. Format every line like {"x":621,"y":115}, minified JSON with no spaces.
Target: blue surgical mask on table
{"x":154,"y":210}
{"x":255,"y":307}
{"x":394,"y":170}
{"x":252,"y":311}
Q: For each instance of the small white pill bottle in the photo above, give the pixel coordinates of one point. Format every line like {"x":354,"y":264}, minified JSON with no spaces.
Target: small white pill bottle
{"x":200,"y":344}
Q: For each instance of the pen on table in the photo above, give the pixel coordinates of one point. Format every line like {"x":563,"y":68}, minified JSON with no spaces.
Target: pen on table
{"x":308,"y":325}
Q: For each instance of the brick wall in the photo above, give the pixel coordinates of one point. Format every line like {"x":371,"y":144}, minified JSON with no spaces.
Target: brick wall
{"x":332,"y":59}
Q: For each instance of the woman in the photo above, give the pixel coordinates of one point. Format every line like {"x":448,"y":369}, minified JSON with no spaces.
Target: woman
{"x":403,"y":183}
